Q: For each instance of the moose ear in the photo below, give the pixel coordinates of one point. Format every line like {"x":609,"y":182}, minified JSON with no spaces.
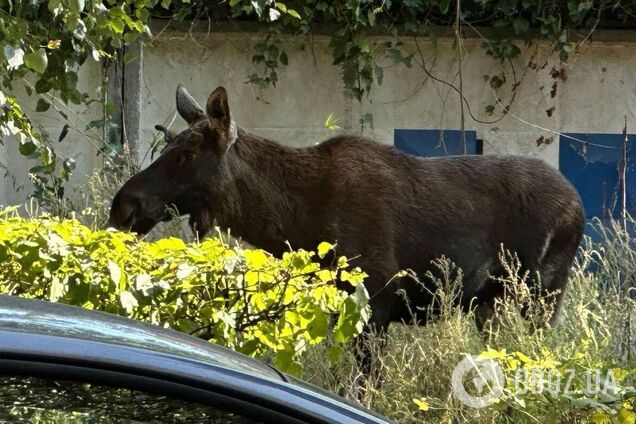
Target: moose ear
{"x":218,"y":112}
{"x":187,"y":107}
{"x":218,"y":109}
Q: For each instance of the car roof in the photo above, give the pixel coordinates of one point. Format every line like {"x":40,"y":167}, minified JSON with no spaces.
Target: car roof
{"x":54,"y":319}
{"x":40,"y":330}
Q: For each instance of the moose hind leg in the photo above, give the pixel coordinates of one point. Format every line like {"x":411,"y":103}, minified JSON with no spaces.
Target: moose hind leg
{"x":484,"y":312}
{"x":481,"y":292}
{"x":554,"y":269}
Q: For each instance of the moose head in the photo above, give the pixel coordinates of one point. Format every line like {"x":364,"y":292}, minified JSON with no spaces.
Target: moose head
{"x":179,"y":178}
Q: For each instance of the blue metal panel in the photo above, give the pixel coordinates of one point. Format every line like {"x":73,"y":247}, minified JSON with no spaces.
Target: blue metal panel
{"x":435,"y":142}
{"x":594,"y":167}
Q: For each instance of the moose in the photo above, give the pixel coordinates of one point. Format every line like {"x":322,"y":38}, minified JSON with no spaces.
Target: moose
{"x":390,"y":210}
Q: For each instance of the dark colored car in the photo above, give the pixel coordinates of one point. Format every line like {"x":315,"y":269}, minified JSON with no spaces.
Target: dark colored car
{"x":65,"y":364}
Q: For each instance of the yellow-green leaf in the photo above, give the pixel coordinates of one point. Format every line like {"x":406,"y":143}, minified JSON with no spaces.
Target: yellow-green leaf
{"x":421,"y":403}
{"x":37,"y":61}
{"x":324,"y":248}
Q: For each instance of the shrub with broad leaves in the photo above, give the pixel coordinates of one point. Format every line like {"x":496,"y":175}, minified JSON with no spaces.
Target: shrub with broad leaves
{"x":244,"y":299}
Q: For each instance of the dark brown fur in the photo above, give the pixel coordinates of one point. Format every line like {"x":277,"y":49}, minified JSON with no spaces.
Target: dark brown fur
{"x":391,"y":210}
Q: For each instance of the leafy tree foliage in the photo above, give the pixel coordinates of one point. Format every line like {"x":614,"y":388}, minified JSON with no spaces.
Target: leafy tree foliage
{"x":43,"y":45}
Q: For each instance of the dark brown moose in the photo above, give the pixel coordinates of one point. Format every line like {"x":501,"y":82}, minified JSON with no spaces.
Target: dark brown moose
{"x":390,"y":210}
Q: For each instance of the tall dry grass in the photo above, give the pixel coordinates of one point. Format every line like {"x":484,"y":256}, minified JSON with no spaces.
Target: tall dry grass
{"x":598,"y":330}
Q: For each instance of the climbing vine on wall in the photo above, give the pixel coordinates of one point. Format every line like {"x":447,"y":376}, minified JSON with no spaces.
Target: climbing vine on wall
{"x":43,"y":43}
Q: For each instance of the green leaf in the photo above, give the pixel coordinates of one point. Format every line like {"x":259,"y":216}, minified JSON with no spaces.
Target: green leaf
{"x":362,"y":42}
{"x":520,"y":25}
{"x":324,"y":247}
{"x":55,"y":7}
{"x":397,"y":57}
{"x":356,"y":313}
{"x":69,"y":80}
{"x":130,"y":37}
{"x":117,"y":25}
{"x":27,"y":147}
{"x":67,"y":168}
{"x":444,"y":5}
{"x":37,"y":60}
{"x":497,"y":81}
{"x":63,"y":133}
{"x":76,"y":5}
{"x":331,"y":122}
{"x":47,"y":157}
{"x":318,"y":327}
{"x":42,"y":86}
{"x":284,"y":360}
{"x":283,"y":59}
{"x":293,"y":13}
{"x":371,"y":17}
{"x":69,"y":165}
{"x":42,"y":106}
{"x":112,"y":131}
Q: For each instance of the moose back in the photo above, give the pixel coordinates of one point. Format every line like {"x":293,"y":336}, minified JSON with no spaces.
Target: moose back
{"x":390,"y":210}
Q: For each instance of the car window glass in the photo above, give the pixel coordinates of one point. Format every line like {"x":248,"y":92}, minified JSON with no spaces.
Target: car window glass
{"x":36,"y":400}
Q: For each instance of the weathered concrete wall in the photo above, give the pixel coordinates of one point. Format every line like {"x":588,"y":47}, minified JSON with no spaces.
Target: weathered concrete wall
{"x":599,"y":91}
{"x":294,"y":112}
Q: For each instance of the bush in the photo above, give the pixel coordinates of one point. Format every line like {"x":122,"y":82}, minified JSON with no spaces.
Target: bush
{"x":244,"y":299}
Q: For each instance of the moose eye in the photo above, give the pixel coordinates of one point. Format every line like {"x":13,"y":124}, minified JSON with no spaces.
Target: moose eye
{"x":188,"y":155}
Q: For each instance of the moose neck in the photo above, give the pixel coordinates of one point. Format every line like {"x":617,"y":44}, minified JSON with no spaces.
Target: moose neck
{"x":265,"y":185}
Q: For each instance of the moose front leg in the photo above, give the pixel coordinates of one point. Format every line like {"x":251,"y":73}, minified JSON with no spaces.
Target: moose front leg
{"x":369,"y":345}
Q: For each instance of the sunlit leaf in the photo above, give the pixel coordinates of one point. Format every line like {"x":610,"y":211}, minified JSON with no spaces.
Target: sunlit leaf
{"x":421,"y":403}
{"x":324,"y":248}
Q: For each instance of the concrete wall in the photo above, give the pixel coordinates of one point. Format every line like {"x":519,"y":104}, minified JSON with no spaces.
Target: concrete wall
{"x":599,"y":91}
